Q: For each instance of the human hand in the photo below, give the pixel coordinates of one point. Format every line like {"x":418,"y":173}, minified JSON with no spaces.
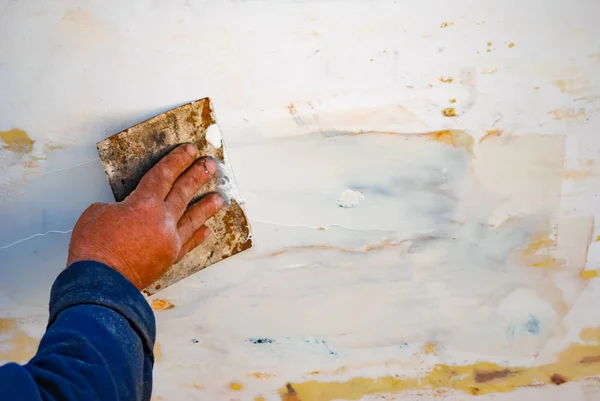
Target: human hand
{"x":142,"y":236}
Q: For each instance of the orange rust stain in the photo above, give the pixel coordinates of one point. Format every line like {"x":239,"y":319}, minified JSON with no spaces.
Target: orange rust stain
{"x":16,"y":140}
{"x":576,"y":362}
{"x":576,"y":175}
{"x":449,"y":112}
{"x":511,"y":45}
{"x":235,"y":386}
{"x":161,"y":304}
{"x":446,"y":24}
{"x":17,"y":346}
{"x":458,"y":139}
{"x":158,"y":355}
{"x":292,"y":108}
{"x":588,"y":274}
{"x":446,"y":80}
{"x":489,"y":71}
{"x":409,"y":87}
{"x":261,"y":375}
{"x":491,"y":133}
{"x":566,"y":114}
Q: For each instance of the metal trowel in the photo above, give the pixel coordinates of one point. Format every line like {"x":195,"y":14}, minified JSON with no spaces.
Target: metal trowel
{"x":128,"y":155}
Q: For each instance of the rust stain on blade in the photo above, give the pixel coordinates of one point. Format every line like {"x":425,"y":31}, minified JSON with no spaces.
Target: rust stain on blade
{"x":128,"y":155}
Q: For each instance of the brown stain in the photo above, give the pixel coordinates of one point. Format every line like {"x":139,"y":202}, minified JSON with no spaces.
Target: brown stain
{"x":576,"y":362}
{"x":158,"y":355}
{"x":371,"y":60}
{"x":537,"y":88}
{"x":236,"y":386}
{"x":482,"y":376}
{"x":16,"y":140}
{"x":446,"y":24}
{"x":21,"y":347}
{"x":292,"y":109}
{"x":511,"y":45}
{"x":449,"y":112}
{"x":261,"y":375}
{"x":491,"y":133}
{"x":566,"y":114}
{"x":161,"y":304}
{"x":446,"y":80}
{"x":558,"y":379}
{"x":489,"y":71}
{"x":409,"y":87}
{"x":577,"y":175}
{"x":208,"y":118}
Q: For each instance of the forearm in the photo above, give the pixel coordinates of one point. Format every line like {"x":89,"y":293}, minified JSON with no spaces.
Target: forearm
{"x":98,"y":344}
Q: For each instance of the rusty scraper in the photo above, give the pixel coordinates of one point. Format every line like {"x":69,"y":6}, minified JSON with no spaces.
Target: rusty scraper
{"x":128,"y":155}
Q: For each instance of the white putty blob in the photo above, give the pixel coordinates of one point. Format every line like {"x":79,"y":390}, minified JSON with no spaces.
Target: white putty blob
{"x":213,"y":136}
{"x":350,"y":198}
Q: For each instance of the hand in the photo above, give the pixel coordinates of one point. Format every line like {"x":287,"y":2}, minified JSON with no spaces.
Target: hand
{"x":142,"y":236}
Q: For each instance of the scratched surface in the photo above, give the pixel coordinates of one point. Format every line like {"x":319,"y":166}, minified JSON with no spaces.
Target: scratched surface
{"x":421,"y":180}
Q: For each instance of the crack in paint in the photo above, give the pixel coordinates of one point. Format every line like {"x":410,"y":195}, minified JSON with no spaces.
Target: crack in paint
{"x":34,"y":236}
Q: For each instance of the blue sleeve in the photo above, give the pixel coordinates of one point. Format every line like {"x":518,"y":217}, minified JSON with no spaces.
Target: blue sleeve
{"x":98,"y":344}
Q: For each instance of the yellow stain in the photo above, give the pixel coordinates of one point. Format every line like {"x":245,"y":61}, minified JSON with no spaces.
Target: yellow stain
{"x":588,"y":274}
{"x":489,"y":44}
{"x":449,"y":112}
{"x":446,"y":24}
{"x":565,"y":114}
{"x":430,"y":349}
{"x":492,"y":133}
{"x":16,"y":140}
{"x":489,"y":71}
{"x":158,"y":355}
{"x":452,"y":100}
{"x":235,"y":386}
{"x":259,"y":398}
{"x":18,"y":345}
{"x":161,"y":304}
{"x":576,"y":362}
{"x":446,"y":80}
{"x":575,"y":175}
{"x":261,"y":375}
{"x":511,"y":45}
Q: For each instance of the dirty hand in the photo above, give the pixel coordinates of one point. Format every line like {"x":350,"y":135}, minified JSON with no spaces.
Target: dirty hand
{"x":142,"y":236}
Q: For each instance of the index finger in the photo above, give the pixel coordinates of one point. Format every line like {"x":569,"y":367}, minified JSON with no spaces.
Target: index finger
{"x":158,"y":181}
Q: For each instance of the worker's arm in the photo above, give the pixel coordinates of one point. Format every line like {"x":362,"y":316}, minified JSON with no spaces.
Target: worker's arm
{"x":101,"y":331}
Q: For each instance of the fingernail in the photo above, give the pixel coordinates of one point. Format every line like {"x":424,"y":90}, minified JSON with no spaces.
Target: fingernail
{"x":210,"y":165}
{"x":219,"y":201}
{"x":191,"y":149}
{"x":207,"y":231}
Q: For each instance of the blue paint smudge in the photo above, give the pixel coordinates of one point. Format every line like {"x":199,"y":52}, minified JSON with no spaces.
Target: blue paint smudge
{"x":327,"y":348}
{"x":533,"y":325}
{"x":261,"y":340}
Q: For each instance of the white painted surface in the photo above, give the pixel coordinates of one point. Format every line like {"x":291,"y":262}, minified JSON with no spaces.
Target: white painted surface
{"x":425,"y":257}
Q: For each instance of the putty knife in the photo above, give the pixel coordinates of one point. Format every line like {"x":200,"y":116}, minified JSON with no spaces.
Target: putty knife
{"x":128,"y":155}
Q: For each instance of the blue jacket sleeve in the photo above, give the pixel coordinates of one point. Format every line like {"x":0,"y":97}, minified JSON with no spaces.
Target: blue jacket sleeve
{"x":98,"y":345}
